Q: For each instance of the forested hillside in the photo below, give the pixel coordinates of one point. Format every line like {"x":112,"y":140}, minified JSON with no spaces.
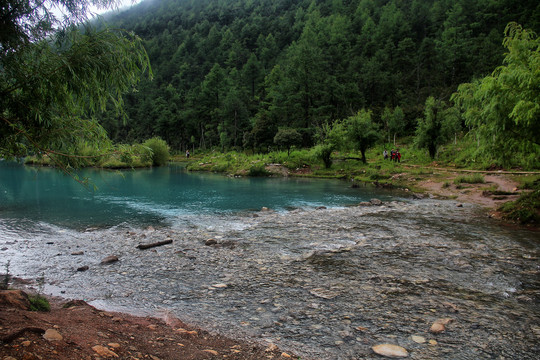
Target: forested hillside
{"x":230,"y":73}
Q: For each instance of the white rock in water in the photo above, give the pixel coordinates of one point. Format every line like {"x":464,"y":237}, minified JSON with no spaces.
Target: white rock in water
{"x":390,"y":350}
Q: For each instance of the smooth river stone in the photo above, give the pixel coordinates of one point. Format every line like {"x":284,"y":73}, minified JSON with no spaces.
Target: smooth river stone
{"x":52,"y":335}
{"x":220,"y":286}
{"x":418,"y":339}
{"x":390,"y":350}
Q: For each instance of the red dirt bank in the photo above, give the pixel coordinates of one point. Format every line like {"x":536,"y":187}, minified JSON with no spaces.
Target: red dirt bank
{"x":88,"y":333}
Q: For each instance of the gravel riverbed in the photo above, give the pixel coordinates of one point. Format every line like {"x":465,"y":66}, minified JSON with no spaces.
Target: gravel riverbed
{"x":323,"y":283}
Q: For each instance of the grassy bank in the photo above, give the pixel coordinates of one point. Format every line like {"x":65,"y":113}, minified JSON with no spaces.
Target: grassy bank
{"x":526,"y":209}
{"x":415,"y":168}
{"x":453,"y":169}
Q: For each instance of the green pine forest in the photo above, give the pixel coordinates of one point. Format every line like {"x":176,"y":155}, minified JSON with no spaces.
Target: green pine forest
{"x":233,"y":74}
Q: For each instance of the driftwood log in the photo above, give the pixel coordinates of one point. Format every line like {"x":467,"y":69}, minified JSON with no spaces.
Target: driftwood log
{"x":159,"y":243}
{"x":17,"y":334}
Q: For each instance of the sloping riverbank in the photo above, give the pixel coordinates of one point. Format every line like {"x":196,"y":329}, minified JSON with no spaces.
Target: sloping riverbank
{"x":76,"y":330}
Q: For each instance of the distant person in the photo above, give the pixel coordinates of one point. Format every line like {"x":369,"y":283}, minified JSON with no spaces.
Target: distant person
{"x":398,"y":156}
{"x":385,"y":154}
{"x":392,"y":155}
{"x":187,"y":153}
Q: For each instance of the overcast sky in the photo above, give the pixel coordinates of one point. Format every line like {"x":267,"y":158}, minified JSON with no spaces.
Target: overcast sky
{"x":94,"y":10}
{"x":124,"y":4}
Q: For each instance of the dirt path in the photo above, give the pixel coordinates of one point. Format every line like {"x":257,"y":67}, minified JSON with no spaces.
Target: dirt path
{"x":487,"y":172}
{"x":480,"y":194}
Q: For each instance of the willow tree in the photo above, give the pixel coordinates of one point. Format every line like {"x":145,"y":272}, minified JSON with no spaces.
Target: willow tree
{"x":503,"y":108}
{"x":56,"y":74}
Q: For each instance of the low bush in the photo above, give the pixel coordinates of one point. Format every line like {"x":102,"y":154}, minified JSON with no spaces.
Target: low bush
{"x":258,"y":170}
{"x":379,"y":176}
{"x":39,"y":303}
{"x":220,"y":167}
{"x":525,"y":210}
{"x":530,"y":184}
{"x":113,"y":163}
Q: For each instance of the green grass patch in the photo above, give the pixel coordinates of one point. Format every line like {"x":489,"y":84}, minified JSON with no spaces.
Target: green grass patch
{"x":526,"y":209}
{"x":470,"y":179}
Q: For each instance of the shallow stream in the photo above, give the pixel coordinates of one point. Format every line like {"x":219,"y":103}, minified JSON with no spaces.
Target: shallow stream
{"x":324,"y":283}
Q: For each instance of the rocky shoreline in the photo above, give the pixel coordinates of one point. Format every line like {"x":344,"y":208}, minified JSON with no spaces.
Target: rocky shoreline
{"x":320,"y":283}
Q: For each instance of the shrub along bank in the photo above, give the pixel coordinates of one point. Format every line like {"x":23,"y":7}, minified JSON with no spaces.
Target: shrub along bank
{"x":153,"y":152}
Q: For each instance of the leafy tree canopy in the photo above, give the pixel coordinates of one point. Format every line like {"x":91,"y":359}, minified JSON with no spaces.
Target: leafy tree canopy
{"x":357,"y":132}
{"x":504,"y":107}
{"x":287,"y":138}
{"x":362,"y":132}
{"x":302,"y":64}
{"x":55,"y":75}
{"x":437,"y":125}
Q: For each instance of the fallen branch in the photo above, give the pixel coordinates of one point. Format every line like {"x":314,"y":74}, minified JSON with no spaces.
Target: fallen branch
{"x":159,"y":243}
{"x":18,"y":334}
